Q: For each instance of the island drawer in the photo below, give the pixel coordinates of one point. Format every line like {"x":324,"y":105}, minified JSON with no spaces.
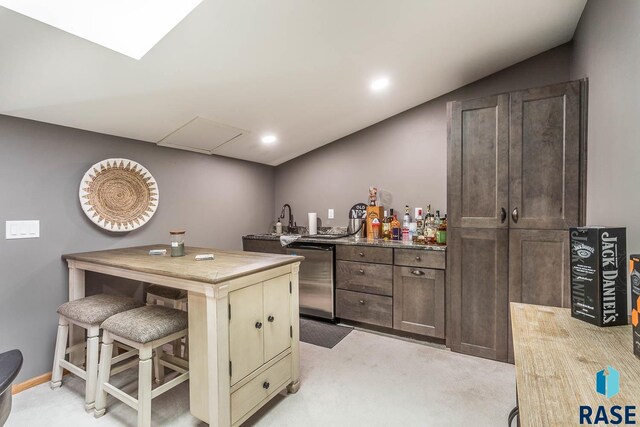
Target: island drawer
{"x":256,"y":390}
{"x":364,"y":254}
{"x":365,"y":308}
{"x":420,"y":258}
{"x":363,"y":277}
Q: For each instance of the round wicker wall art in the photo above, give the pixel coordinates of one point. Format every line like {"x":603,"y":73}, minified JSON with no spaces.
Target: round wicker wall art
{"x":119,"y":195}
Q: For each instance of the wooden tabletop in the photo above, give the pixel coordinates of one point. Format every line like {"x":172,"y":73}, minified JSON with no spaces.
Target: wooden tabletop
{"x":557,"y":358}
{"x":227,"y":265}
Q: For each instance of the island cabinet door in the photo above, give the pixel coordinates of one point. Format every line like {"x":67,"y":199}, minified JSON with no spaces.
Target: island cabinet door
{"x":418,"y":301}
{"x":277,"y":316}
{"x":246,"y":331}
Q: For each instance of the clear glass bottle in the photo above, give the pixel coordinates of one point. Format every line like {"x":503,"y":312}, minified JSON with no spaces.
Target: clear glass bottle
{"x":177,"y":242}
{"x":419,"y":223}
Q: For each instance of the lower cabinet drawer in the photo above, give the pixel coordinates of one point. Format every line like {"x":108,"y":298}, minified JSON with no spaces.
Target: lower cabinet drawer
{"x":364,"y":277}
{"x":420,"y":258}
{"x":262,"y":386}
{"x":365,"y":308}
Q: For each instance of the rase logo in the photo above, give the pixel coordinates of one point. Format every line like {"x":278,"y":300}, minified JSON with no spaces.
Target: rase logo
{"x":608,"y":384}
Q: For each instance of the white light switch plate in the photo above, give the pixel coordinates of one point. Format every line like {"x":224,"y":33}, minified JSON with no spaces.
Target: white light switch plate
{"x":330,"y":214}
{"x":22,"y":229}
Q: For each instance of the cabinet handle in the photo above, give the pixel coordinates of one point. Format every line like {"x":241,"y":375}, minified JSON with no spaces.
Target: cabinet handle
{"x":418,"y":258}
{"x":361,"y":271}
{"x":417,"y":272}
{"x":271,"y":318}
{"x":361,"y":302}
{"x":361,"y":254}
{"x":258,"y":325}
{"x":503,"y":215}
{"x":514,"y":214}
{"x":266,"y":385}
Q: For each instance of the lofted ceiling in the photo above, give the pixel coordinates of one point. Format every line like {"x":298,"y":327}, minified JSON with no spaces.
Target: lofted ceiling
{"x":233,"y":71}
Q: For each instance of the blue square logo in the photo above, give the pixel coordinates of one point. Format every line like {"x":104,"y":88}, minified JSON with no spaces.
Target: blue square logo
{"x":608,"y":382}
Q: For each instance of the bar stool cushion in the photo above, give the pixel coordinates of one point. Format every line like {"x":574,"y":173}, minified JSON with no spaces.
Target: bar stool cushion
{"x":166,"y":292}
{"x":146,"y":324}
{"x":96,"y":308}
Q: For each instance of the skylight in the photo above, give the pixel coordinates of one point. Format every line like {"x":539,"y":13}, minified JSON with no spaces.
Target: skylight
{"x":131,"y":27}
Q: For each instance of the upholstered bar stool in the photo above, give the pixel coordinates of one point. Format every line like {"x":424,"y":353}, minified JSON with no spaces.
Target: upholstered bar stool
{"x":87,"y":313}
{"x":174,"y":298}
{"x":145,"y":329}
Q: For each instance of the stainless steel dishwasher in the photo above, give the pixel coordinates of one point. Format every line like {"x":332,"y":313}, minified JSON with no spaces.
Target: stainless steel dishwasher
{"x":316,"y":278}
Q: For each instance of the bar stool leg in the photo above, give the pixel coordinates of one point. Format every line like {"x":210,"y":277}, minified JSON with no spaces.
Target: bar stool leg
{"x":177,"y":344}
{"x":60,"y":352}
{"x":93,"y":341}
{"x":104,"y":374}
{"x":144,"y":387}
{"x":159,"y":369}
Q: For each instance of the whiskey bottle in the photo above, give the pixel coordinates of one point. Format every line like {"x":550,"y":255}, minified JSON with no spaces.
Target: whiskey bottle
{"x":396,"y":231}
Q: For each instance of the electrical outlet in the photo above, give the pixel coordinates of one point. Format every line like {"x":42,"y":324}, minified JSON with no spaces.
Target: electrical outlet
{"x":331,"y":214}
{"x":22,"y":229}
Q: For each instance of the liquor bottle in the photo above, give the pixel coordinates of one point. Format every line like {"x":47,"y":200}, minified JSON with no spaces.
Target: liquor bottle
{"x":396,"y":231}
{"x":419,"y":223}
{"x":406,"y":220}
{"x":441,"y":234}
{"x":376,"y":228}
{"x":430,"y":230}
{"x":386,"y":227}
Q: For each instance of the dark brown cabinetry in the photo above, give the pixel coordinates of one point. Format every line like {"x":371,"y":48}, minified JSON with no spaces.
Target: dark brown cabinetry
{"x":515,"y":184}
{"x":265,"y":246}
{"x":419,"y":300}
{"x":477,"y":277}
{"x":478,"y":163}
{"x":399,"y":288}
{"x":364,"y":282}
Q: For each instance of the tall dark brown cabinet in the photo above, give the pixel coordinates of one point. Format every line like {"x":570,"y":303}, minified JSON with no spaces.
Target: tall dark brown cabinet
{"x":515,"y":184}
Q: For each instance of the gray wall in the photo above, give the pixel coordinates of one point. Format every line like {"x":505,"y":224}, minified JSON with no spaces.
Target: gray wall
{"x":606,"y":47}
{"x":215,"y":199}
{"x":405,"y":156}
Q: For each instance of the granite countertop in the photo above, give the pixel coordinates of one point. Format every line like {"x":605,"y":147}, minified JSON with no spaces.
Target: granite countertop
{"x":352,"y":241}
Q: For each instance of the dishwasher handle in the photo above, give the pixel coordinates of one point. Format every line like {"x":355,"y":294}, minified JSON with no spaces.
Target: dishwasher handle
{"x":310,"y":247}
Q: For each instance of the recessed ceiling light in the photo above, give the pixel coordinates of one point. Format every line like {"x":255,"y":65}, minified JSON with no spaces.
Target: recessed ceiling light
{"x":379,"y":83}
{"x":269,"y":139}
{"x":131,"y":27}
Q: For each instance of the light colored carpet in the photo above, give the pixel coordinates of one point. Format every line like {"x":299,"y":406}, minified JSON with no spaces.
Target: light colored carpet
{"x":365,"y":380}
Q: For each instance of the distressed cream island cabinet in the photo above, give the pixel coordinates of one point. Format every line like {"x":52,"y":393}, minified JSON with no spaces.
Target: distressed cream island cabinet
{"x":243,"y":321}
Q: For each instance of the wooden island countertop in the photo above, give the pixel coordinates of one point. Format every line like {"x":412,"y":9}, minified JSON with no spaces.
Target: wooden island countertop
{"x":226,"y":266}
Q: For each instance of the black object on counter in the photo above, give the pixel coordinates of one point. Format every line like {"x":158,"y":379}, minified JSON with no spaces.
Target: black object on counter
{"x":599,"y":275}
{"x":10,"y":365}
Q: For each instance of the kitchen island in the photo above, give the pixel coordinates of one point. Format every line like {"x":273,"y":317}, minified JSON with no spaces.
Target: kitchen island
{"x":243,"y":321}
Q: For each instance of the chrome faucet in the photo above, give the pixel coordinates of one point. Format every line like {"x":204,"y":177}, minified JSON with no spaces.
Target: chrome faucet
{"x":286,"y":205}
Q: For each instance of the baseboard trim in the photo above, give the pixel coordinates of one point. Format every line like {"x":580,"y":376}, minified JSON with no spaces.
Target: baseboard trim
{"x":41,"y":379}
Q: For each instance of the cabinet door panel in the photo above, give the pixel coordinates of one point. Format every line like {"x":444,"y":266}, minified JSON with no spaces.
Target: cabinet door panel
{"x":245,"y":339}
{"x":539,"y":269}
{"x":418,"y":301}
{"x":277,"y":316}
{"x":477,"y":277}
{"x":478,"y":156}
{"x":544,"y":164}
{"x":265,"y":246}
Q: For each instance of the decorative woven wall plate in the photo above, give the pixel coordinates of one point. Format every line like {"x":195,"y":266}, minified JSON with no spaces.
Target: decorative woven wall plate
{"x":119,"y":195}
